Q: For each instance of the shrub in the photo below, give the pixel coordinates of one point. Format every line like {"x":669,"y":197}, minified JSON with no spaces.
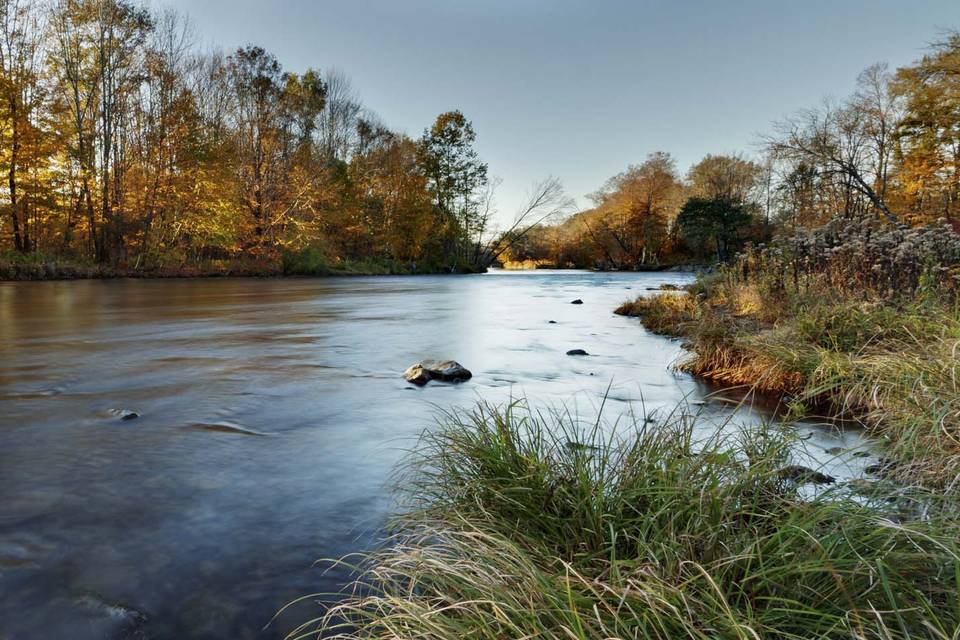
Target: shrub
{"x":860,"y":258}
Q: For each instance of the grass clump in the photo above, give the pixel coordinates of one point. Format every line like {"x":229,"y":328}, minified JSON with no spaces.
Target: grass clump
{"x":666,"y":313}
{"x":524,"y":526}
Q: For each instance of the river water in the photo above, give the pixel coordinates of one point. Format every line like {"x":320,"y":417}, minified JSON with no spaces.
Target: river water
{"x":270,"y":415}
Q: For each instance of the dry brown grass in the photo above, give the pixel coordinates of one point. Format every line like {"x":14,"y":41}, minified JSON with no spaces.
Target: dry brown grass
{"x":734,"y":365}
{"x":664,"y":313}
{"x":891,"y":365}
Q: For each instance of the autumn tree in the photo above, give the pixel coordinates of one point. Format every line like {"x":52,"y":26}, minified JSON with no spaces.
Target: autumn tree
{"x":396,"y":203}
{"x":727,"y":177}
{"x":273,"y":116}
{"x":928,"y":134}
{"x":21,"y":100}
{"x":340,"y":120}
{"x":634,"y":211}
{"x":99,"y":49}
{"x":839,"y":140}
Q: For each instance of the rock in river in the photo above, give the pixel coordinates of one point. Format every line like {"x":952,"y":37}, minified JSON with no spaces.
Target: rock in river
{"x":577,"y":301}
{"x":124,"y":414}
{"x":805,"y":475}
{"x":444,"y":370}
{"x":577,"y":352}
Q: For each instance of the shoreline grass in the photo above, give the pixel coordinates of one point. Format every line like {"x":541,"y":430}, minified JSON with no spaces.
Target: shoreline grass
{"x":523,"y":525}
{"x":892,"y":369}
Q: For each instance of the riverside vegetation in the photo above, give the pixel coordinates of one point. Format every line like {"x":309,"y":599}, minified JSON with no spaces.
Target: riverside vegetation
{"x":855,"y":317}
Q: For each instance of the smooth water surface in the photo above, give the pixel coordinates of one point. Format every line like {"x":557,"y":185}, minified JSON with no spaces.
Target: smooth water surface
{"x":271,"y":414}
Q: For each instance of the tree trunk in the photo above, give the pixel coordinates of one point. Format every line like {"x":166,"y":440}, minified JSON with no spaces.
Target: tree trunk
{"x":18,"y":240}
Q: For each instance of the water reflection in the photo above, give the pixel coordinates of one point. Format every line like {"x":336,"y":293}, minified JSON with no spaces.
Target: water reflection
{"x":271,"y":413}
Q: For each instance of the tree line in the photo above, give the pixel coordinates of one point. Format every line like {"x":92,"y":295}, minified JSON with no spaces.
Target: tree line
{"x":891,"y":150}
{"x":125,"y":144}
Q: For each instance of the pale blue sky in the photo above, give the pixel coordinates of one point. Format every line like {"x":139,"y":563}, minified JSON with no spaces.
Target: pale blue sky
{"x":582,"y":89}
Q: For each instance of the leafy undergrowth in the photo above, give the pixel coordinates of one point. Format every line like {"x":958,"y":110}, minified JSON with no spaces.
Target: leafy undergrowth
{"x":525,"y":526}
{"x":314,"y":261}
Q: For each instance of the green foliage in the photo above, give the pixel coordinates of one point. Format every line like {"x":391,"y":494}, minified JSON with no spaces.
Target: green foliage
{"x":716,"y":225}
{"x":451,"y":163}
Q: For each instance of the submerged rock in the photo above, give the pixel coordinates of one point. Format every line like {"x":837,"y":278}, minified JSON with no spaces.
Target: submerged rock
{"x":577,"y":352}
{"x":225,"y":426}
{"x":804,"y":475}
{"x":883,"y":467}
{"x":116,"y":620}
{"x":551,"y":322}
{"x":124,"y":414}
{"x":580,"y":446}
{"x":834,"y":451}
{"x":21,"y":553}
{"x":443,"y":370}
{"x":577,"y":301}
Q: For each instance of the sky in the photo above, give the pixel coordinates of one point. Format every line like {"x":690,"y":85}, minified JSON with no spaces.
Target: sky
{"x":582,"y":89}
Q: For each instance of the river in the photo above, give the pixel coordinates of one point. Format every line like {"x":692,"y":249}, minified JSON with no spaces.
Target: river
{"x":270,"y":413}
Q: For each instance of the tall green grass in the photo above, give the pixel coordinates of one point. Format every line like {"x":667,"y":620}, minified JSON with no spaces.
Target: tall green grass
{"x":524,"y":525}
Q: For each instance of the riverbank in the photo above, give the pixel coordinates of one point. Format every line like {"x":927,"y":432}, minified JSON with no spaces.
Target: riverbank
{"x":883,"y":354}
{"x":207,"y":364}
{"x":17,"y":268}
{"x":546,"y":265}
{"x":891,"y":369}
{"x":55,"y":270}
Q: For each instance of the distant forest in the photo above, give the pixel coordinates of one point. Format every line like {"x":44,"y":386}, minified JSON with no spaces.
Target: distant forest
{"x":124,"y":145}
